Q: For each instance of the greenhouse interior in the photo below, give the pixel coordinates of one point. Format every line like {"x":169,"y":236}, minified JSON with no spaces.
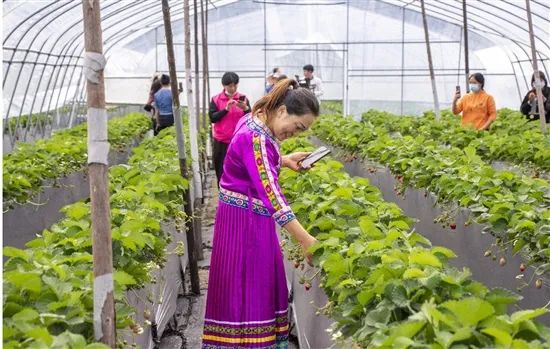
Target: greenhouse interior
{"x":267,"y":174}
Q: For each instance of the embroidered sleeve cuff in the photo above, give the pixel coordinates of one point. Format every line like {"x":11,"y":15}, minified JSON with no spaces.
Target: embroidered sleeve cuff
{"x":284,"y":215}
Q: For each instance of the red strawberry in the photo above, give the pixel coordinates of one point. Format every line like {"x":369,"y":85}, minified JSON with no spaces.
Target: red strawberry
{"x":522,"y":267}
{"x":452,"y":226}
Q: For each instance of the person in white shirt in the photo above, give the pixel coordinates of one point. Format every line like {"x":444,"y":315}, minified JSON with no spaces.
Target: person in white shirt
{"x":312,"y":82}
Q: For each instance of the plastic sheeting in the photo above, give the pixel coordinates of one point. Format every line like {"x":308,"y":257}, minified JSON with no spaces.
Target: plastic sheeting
{"x":381,"y":41}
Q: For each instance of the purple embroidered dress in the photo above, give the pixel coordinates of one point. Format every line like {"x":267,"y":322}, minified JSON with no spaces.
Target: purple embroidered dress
{"x":247,"y":300}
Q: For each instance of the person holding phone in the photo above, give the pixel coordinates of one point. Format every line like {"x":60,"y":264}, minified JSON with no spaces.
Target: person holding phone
{"x":226,"y":109}
{"x":477,"y":107}
{"x":247,"y":299}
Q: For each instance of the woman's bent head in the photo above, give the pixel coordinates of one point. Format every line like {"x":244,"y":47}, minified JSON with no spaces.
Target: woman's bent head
{"x":287,"y":109}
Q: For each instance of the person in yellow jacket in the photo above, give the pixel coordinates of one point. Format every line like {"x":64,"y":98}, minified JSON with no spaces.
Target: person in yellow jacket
{"x":477,"y":107}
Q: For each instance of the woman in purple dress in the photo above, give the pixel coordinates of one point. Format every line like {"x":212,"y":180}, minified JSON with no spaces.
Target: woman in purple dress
{"x":247,"y":299}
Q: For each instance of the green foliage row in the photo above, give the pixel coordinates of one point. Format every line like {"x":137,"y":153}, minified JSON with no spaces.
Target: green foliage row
{"x":515,"y":208}
{"x":48,"y":286}
{"x":387,"y":286}
{"x":510,"y":138}
{"x":29,"y":165}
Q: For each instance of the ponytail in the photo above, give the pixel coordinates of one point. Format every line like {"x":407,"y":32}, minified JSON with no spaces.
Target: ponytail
{"x":287,"y":92}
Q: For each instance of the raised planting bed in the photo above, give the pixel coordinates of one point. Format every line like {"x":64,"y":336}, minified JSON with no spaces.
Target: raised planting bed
{"x":23,"y":222}
{"x":387,"y":285}
{"x":48,"y":285}
{"x":475,"y":248}
{"x":515,"y":208}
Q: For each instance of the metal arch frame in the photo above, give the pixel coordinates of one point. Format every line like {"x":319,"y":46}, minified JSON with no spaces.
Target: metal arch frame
{"x":74,"y":39}
{"x":518,"y":44}
{"x":514,"y":24}
{"x":473,"y":28}
{"x":34,"y":64}
{"x":74,"y":43}
{"x":24,"y":34}
{"x":137,"y":4}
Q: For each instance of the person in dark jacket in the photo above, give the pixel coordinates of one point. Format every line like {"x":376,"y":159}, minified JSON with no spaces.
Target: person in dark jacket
{"x":226,"y":109}
{"x":529,"y":106}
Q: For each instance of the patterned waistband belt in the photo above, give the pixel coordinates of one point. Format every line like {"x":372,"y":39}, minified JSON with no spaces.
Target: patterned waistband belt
{"x":242,"y":201}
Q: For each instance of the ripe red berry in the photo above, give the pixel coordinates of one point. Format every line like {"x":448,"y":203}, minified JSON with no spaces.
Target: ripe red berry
{"x":502,"y":261}
{"x":452,"y":226}
{"x":296,"y":264}
{"x":307,"y":286}
{"x":522,"y":267}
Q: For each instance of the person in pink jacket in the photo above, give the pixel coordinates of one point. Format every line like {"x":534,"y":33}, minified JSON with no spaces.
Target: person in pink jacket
{"x":226,"y":109}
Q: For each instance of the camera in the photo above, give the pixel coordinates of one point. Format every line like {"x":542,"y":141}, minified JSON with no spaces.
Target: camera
{"x":303,"y":82}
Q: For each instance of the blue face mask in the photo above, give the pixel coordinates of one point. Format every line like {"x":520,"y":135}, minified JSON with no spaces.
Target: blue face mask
{"x":474,"y":87}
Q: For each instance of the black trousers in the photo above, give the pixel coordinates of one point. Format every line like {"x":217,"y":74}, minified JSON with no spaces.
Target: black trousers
{"x":218,"y":155}
{"x":165,"y":121}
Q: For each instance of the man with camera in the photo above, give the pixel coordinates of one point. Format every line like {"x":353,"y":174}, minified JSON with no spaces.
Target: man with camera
{"x":310,"y":81}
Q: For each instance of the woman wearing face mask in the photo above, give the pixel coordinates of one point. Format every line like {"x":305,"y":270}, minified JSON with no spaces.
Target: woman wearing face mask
{"x":529,"y":106}
{"x":247,"y":300}
{"x":477,"y":107}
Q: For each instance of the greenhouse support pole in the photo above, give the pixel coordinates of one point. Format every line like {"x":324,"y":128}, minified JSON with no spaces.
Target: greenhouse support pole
{"x":536,"y":69}
{"x":189,"y":231}
{"x":197,"y":184}
{"x":191,"y":107}
{"x":402,"y":56}
{"x":196,"y":52}
{"x":200,"y":112}
{"x":204,"y":71}
{"x":346,"y":68}
{"x":98,"y":152}
{"x":430,"y":62}
{"x":466,"y":51}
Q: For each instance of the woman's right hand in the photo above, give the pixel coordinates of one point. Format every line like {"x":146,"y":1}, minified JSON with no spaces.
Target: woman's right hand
{"x":306,"y":244}
{"x":457,"y":96}
{"x":532,"y":96}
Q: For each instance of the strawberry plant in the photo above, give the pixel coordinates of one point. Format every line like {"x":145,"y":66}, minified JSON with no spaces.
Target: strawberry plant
{"x":514,"y":207}
{"x":26,"y":169}
{"x":387,"y":286}
{"x":48,"y":286}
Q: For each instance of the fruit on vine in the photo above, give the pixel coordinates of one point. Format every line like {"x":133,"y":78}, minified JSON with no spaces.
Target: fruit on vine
{"x":488,"y":253}
{"x":522,"y":267}
{"x":307,"y":286}
{"x":538,"y":283}
{"x":502,"y":261}
{"x":296,"y":264}
{"x":452,"y":226}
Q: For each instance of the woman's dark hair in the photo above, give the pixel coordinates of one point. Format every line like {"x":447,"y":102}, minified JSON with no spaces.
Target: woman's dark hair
{"x":541,"y":77}
{"x":282,"y":77}
{"x":156,"y":85}
{"x":164,"y":79}
{"x":230,"y":78}
{"x":298,"y":101}
{"x":308,"y":67}
{"x":275,"y":70}
{"x":479,"y":78}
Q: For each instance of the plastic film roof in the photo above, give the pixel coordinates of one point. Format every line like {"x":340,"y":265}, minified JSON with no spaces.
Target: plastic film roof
{"x":377,"y":45}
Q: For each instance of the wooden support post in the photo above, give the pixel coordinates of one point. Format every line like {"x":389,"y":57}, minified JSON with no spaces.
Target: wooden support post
{"x":430,"y":62}
{"x":538,"y":87}
{"x":190,"y":230}
{"x":98,"y":150}
{"x":466,"y":50}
